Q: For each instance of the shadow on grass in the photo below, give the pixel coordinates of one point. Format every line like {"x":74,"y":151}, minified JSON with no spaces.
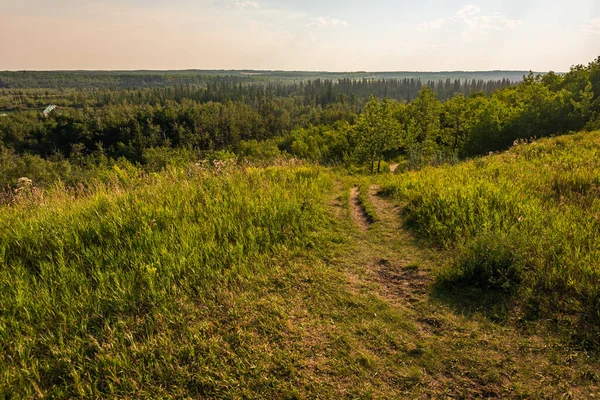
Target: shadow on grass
{"x":471,"y":300}
{"x":578,"y":331}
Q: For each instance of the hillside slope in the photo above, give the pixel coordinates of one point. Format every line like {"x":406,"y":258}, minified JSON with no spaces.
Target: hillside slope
{"x":524,"y":224}
{"x":242,"y":282}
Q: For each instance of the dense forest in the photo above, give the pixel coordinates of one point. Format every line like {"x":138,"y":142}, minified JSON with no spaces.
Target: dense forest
{"x":153,"y":79}
{"x":220,"y":89}
{"x":348,"y":122}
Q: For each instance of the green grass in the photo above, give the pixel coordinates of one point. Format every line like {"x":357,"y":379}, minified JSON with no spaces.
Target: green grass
{"x":126,"y":290}
{"x":365,"y":202}
{"x":525,"y":223}
{"x":228,"y":282}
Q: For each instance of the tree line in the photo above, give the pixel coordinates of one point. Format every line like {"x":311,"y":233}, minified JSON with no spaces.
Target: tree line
{"x":321,"y":92}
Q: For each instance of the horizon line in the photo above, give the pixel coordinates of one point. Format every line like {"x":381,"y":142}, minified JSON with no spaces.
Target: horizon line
{"x":281,"y":71}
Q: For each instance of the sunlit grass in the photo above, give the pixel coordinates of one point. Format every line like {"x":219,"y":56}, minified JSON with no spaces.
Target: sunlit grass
{"x":98,"y":288}
{"x":526,"y":222}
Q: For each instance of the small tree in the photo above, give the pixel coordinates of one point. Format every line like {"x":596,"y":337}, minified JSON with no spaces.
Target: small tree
{"x":455,"y":121}
{"x":377,"y":131}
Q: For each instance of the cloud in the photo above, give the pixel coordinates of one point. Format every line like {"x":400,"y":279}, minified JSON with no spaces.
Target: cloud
{"x":593,"y":27}
{"x":324,"y":22}
{"x":468,"y":11}
{"x":247,"y":4}
{"x":472,"y":24}
{"x":432,"y":25}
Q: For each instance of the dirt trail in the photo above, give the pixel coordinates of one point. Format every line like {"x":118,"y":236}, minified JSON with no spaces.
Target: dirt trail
{"x":398,"y":272}
{"x":390,"y":258}
{"x":394,"y":167}
{"x":359,"y":215}
{"x":464,"y":352}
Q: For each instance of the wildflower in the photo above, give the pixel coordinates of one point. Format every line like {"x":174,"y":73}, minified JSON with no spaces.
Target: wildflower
{"x":150,"y":269}
{"x":24,"y":185}
{"x":24,"y":182}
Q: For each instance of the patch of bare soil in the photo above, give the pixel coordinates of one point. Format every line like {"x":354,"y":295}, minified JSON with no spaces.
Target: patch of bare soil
{"x":407,"y":283}
{"x":359,"y":215}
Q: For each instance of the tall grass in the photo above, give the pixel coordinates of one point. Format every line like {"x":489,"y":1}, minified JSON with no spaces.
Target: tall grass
{"x":526,"y":222}
{"x":96,"y":287}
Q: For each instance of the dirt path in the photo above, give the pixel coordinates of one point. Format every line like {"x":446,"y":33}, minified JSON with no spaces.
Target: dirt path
{"x":458,"y":350}
{"x":394,"y":167}
{"x":357,"y":211}
{"x":401,"y":275}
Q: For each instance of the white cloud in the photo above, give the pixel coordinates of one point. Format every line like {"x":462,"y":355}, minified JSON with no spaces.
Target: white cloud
{"x":468,"y":11}
{"x":593,"y":27}
{"x":432,"y":25}
{"x":472,"y":24}
{"x":247,"y":4}
{"x":324,"y":22}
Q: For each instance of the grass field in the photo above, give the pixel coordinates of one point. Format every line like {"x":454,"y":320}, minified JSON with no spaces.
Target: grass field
{"x":117,"y":291}
{"x":471,"y":281}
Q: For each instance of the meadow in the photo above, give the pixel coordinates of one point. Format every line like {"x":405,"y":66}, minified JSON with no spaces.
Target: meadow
{"x":218,"y":280}
{"x":101,"y":288}
{"x":524,"y":224}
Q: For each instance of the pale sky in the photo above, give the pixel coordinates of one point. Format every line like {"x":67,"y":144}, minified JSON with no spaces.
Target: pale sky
{"x":322,"y":35}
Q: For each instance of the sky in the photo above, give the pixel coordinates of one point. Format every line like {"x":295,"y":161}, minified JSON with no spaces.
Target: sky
{"x":307,"y":35}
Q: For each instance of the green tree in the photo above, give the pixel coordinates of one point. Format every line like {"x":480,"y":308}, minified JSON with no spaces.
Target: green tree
{"x":455,"y":121}
{"x":424,"y":117}
{"x":377,"y":131}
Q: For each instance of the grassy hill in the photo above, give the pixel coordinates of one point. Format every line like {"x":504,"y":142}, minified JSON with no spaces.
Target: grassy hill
{"x":132,"y":287}
{"x":525,"y":223}
{"x":473,"y":280}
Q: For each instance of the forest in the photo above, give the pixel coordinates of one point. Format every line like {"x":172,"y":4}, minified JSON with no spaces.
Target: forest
{"x":328,"y":122}
{"x":152,"y":79}
{"x":231,"y":88}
